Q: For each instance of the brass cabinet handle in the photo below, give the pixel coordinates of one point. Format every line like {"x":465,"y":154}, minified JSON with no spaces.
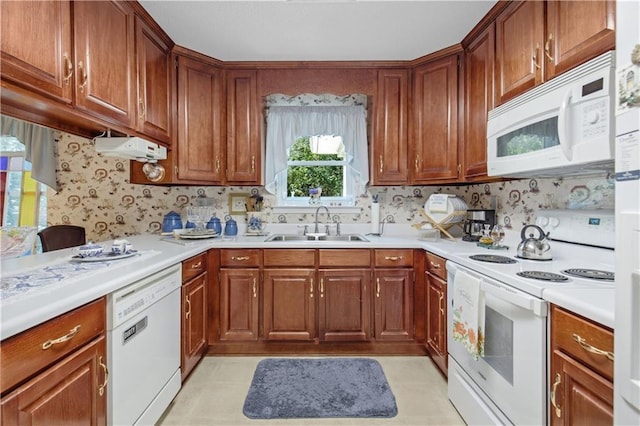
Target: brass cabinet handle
{"x":142,"y":108}
{"x":188,"y":313}
{"x":84,"y":76}
{"x":552,"y":395}
{"x":196,"y":265}
{"x":253,"y":164}
{"x":217,"y":164}
{"x":106,"y":376}
{"x":393,"y":258}
{"x":534,"y":58}
{"x":255,"y":289}
{"x":381,"y":162}
{"x":547,"y":47}
{"x":311,"y":288}
{"x":240,"y":258}
{"x":321,"y":288}
{"x":416,"y":163}
{"x":69,"y":68}
{"x":49,"y":343}
{"x":587,"y":347}
{"x":440,"y":300}
{"x":434,"y":265}
{"x":378,"y":287}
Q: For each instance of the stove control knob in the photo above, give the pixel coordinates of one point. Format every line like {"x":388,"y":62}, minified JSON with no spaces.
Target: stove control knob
{"x":542,"y":221}
{"x":554,"y":221}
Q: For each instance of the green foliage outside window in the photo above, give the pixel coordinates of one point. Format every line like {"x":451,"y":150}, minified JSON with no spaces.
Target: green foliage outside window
{"x":301,"y":178}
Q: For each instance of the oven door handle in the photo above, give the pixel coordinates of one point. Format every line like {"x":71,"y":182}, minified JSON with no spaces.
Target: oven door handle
{"x":530,"y":303}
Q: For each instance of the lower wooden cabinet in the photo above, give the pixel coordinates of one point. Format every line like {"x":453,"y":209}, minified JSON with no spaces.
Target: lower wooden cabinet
{"x":393,"y":304}
{"x":437,"y":311}
{"x":239,"y":302}
{"x":581,"y":380}
{"x":194,"y":323}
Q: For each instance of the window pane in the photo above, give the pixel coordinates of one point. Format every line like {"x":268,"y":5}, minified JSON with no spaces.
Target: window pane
{"x":301,"y":178}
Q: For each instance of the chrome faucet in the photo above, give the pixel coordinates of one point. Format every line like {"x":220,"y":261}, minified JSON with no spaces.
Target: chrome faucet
{"x":328,"y":218}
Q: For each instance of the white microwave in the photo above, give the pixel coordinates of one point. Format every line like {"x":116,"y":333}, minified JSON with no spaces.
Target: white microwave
{"x":565,"y":126}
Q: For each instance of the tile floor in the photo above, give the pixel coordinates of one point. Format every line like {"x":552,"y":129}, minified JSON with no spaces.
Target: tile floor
{"x":214,"y":395}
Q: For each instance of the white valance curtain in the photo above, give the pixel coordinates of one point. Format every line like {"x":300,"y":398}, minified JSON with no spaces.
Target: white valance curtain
{"x":39,"y":146}
{"x":287,"y":124}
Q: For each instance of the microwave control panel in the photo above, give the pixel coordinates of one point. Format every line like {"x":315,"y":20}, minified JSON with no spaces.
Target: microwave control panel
{"x":595,"y":118}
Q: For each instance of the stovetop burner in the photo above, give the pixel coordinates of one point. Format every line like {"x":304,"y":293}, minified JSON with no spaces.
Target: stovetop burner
{"x":542,"y":276}
{"x":492,"y":258}
{"x":593,"y":274}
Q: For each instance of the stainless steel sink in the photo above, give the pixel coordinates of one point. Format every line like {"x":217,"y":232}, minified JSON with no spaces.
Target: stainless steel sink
{"x":295,"y":237}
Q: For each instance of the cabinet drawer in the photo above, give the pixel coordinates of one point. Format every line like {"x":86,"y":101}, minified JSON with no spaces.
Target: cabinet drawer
{"x":240,"y":257}
{"x":194,"y":266}
{"x":436,"y":265}
{"x":345,"y":257}
{"x":391,"y":258}
{"x":295,"y":257}
{"x":567,"y":328}
{"x":25,"y":354}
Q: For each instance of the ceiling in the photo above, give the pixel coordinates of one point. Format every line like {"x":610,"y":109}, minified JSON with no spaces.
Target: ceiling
{"x":317,"y":30}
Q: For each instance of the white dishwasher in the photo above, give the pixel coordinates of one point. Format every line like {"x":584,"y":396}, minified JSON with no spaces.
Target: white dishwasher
{"x":143,"y":348}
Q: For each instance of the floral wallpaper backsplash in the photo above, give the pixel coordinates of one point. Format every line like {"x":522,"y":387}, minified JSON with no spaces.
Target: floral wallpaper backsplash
{"x":96,"y":193}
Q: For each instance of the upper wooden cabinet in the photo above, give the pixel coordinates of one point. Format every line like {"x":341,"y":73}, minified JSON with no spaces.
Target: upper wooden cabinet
{"x":39,"y":60}
{"x":103,"y":33}
{"x":390,"y":143}
{"x":153,"y":55}
{"x":244,"y":148}
{"x":534,"y":45}
{"x":434,"y":148}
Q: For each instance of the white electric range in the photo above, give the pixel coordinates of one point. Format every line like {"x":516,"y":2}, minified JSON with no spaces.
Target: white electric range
{"x":507,"y":383}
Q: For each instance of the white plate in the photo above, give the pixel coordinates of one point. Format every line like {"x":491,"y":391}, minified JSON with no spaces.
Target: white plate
{"x":105,"y":256}
{"x":190,"y":236}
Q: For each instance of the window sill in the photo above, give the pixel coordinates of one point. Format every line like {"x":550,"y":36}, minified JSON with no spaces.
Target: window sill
{"x":312,"y":209}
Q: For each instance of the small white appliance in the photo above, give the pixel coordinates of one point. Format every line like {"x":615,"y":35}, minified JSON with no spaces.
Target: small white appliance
{"x":132,"y":148}
{"x":143,"y":348}
{"x":564,"y":126}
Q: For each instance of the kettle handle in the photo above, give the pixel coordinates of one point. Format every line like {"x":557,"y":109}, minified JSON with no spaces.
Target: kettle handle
{"x":523,"y":234}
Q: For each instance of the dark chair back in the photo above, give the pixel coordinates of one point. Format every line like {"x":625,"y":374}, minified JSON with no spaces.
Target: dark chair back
{"x":57,"y":237}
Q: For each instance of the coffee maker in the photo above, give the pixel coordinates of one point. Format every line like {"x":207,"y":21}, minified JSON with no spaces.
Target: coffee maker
{"x":474,"y":224}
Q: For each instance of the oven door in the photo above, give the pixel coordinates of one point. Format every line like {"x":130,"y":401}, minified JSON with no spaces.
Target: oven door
{"x":512,"y":372}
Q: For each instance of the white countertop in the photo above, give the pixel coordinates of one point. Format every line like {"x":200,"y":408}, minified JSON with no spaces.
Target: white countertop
{"x":20,"y":312}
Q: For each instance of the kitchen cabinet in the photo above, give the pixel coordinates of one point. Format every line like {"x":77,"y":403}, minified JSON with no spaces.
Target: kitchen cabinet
{"x":478,"y":101}
{"x":436,"y":277}
{"x":393,"y":300}
{"x":390,"y":138}
{"x":193,"y":312}
{"x":434,"y":151}
{"x":153,"y":59}
{"x":244,"y":142}
{"x":534,"y":45}
{"x":56,"y":372}
{"x":239,"y":294}
{"x":289,"y":295}
{"x":581,"y":374}
{"x":103,"y":34}
{"x":41,"y":61}
{"x":344,"y":305}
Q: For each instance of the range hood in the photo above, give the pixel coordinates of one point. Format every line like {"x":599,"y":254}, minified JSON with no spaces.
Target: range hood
{"x":132,"y":148}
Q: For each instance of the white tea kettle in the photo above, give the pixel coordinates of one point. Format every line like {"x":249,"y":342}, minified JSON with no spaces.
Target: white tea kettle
{"x":534,"y":248}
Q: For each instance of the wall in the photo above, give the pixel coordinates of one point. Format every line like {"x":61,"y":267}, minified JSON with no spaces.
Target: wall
{"x":96,"y":193}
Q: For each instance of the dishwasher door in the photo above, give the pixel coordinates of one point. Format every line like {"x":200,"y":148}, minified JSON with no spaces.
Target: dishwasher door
{"x":143,"y":346}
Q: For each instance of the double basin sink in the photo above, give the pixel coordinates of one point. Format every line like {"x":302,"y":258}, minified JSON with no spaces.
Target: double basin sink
{"x":315,"y":237}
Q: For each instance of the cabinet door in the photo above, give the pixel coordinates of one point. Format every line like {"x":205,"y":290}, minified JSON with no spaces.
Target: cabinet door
{"x":478,"y":100}
{"x":200,"y":148}
{"x":437,"y":321}
{"x":519,"y":48}
{"x":194,"y":323}
{"x":239,"y":304}
{"x":390,"y":142}
{"x":105,"y":59}
{"x":576,"y":32}
{"x":154,"y":83}
{"x":435,"y":120}
{"x":344,"y":305}
{"x":289,"y":297}
{"x":244,"y":154}
{"x":36,"y":46}
{"x":71,"y":391}
{"x":582,"y":397}
{"x":393,"y":304}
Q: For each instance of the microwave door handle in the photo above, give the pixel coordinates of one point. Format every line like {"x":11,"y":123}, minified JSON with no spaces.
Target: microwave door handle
{"x":563,"y":134}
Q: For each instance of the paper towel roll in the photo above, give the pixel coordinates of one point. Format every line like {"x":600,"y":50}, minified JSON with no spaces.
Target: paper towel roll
{"x":375,"y":218}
